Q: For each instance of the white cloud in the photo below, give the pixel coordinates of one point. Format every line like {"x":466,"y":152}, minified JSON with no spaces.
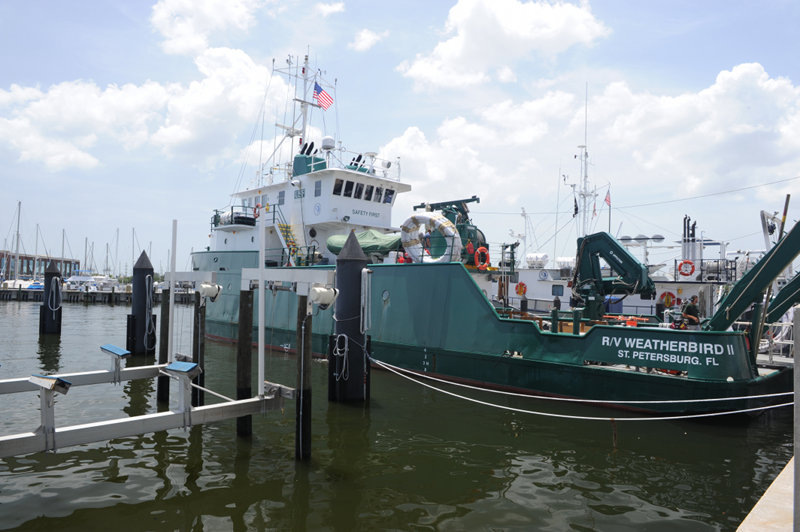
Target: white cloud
{"x":716,"y":137}
{"x":366,"y":39}
{"x":325,"y":10}
{"x":61,"y":125}
{"x":186,"y":24}
{"x":493,"y":34}
{"x":18,"y":95}
{"x":740,"y":130}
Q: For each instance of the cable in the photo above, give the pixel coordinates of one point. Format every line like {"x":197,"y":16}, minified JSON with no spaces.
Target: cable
{"x":149,"y":327}
{"x":588,"y":418}
{"x":573,"y":400}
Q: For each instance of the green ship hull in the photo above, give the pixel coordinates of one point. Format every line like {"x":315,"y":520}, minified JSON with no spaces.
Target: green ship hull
{"x":433,"y":319}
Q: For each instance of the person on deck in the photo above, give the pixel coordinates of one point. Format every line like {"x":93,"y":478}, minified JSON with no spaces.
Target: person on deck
{"x":692,"y":314}
{"x":470,"y":249}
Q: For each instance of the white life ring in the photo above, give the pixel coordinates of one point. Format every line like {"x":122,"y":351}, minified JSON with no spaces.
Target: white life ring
{"x":412,"y":242}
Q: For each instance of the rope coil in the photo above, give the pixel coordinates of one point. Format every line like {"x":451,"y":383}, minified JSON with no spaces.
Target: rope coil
{"x":149,"y":327}
{"x":54,"y":298}
{"x":340,"y":349}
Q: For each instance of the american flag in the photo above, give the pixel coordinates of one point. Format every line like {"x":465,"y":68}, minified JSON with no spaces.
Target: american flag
{"x":323,"y":98}
{"x":608,"y":198}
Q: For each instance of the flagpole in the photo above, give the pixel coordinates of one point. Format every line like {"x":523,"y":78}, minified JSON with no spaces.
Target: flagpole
{"x":608,"y":196}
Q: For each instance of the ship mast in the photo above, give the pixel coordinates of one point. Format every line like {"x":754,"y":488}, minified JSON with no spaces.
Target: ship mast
{"x":303,"y":104}
{"x":585,"y":194}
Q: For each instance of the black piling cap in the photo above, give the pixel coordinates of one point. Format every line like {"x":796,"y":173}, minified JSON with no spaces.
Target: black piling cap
{"x":52,"y":268}
{"x":352,"y":249}
{"x":143,"y":263}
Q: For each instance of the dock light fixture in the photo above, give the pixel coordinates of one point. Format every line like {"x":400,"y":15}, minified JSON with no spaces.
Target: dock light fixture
{"x":322,"y":296}
{"x":210,"y":291}
{"x":48,"y":382}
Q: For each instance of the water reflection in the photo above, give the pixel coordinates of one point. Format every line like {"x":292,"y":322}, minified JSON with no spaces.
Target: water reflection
{"x":140,"y":391}
{"x":349,"y":446}
{"x":49,"y":352}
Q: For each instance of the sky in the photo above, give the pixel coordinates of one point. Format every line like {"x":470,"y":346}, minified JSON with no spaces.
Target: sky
{"x":118,"y":117}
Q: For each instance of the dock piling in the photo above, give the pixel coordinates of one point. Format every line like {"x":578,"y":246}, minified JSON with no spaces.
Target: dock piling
{"x":348,"y":367}
{"x":199,"y":348}
{"x":141,"y":337}
{"x":244,"y":353}
{"x":162,"y":393}
{"x":303,"y":410}
{"x":50,"y":310}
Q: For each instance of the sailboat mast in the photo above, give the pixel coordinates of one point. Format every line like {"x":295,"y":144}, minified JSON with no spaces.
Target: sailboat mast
{"x":36,"y":252}
{"x":16,"y":252}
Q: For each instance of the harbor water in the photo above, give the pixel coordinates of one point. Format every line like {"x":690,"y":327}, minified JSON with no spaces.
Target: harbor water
{"x":415,"y":459}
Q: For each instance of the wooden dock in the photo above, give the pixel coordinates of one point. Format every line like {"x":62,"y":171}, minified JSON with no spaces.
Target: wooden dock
{"x":113,"y":297}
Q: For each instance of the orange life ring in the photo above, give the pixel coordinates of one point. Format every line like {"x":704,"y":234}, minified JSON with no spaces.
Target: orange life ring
{"x":521,"y":289}
{"x":482,"y":264}
{"x":668,"y":298}
{"x":686,"y":268}
{"x":256,"y":209}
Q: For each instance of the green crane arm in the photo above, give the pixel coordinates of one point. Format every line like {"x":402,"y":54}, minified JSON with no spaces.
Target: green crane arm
{"x":753,"y":283}
{"x":454,"y":210}
{"x":783,"y":300}
{"x":630,"y":277}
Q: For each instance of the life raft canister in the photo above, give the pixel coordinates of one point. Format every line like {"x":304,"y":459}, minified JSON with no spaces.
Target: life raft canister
{"x":521,"y":289}
{"x":412,"y":243}
{"x":686,"y":268}
{"x":482,"y":253}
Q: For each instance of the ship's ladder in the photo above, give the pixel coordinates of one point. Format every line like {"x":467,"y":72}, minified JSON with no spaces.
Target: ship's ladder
{"x":289,"y":242}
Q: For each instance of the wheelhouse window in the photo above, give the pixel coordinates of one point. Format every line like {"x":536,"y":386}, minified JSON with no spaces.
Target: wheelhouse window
{"x":337,"y":187}
{"x":348,"y":189}
{"x":378,"y":194}
{"x":318,"y":188}
{"x":388,"y":196}
{"x":359,"y":190}
{"x":368,"y":193}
